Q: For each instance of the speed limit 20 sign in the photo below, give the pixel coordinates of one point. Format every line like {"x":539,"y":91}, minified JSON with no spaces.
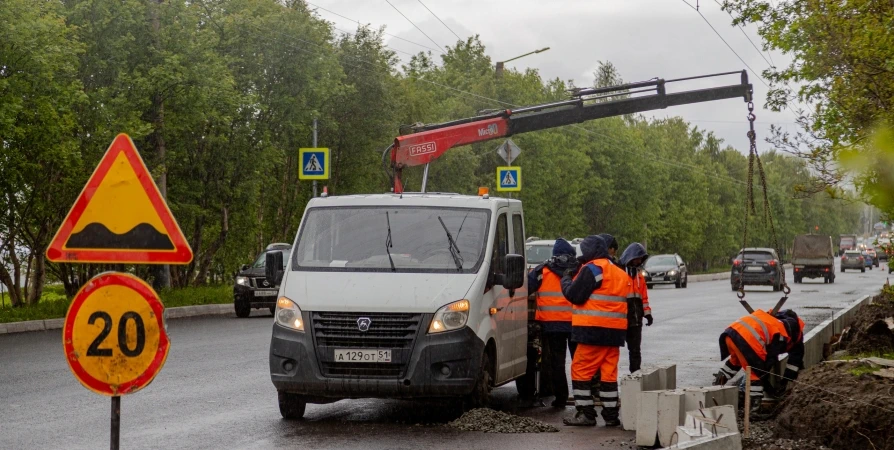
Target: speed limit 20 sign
{"x":114,"y":336}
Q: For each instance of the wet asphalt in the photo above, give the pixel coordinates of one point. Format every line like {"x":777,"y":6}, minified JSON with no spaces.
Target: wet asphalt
{"x":215,"y":389}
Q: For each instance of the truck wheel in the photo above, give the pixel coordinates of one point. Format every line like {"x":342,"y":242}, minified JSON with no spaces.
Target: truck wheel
{"x":735,"y":288}
{"x":242,"y":307}
{"x":863,"y":270}
{"x":832,"y":279}
{"x":480,"y":395}
{"x":291,"y":406}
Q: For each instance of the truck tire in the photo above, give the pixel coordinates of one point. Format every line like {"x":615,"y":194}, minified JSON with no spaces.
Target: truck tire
{"x":832,"y":279}
{"x":242,"y":307}
{"x":480,"y":395}
{"x":291,"y":406}
{"x":863,"y":270}
{"x":735,"y":288}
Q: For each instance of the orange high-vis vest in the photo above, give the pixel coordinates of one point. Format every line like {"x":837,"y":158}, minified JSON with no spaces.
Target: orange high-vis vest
{"x":757,"y":329}
{"x":607,"y":306}
{"x":552,"y":306}
{"x":640,"y":291}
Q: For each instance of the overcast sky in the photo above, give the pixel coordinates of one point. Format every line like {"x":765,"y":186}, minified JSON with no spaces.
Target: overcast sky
{"x":642,"y":38}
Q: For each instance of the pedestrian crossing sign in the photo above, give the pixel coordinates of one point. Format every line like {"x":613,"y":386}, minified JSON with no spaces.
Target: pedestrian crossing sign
{"x":508,"y":179}
{"x":314,"y":164}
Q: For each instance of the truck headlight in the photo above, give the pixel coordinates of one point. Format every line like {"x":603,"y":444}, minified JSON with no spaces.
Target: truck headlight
{"x":450,"y":317}
{"x":288,"y":314}
{"x":242,"y":280}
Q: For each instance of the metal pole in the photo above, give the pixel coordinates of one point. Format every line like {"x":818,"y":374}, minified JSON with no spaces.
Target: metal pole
{"x":425,"y":177}
{"x":116,"y":422}
{"x":315,"y":146}
{"x":747,"y":418}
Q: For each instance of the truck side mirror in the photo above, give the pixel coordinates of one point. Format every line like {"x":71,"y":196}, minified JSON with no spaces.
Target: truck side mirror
{"x":274,"y":267}
{"x":514,"y":277}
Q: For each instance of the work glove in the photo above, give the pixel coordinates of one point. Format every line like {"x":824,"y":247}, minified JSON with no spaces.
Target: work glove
{"x":719,"y":379}
{"x":648,"y":320}
{"x":569,"y":273}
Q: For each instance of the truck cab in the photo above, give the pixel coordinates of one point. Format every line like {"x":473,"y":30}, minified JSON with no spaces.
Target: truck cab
{"x":414,"y":296}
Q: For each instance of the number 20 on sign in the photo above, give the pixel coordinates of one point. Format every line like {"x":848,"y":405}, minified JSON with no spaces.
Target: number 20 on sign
{"x":114,"y":335}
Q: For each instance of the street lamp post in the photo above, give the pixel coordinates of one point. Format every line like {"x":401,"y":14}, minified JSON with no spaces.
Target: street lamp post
{"x":500,"y":64}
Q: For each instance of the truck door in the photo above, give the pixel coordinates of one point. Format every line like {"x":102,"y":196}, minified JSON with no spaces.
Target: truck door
{"x":519,"y":301}
{"x":505,"y":323}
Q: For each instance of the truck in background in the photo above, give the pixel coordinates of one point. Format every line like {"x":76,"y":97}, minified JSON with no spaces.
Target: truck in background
{"x":847,"y":242}
{"x":813,"y":257}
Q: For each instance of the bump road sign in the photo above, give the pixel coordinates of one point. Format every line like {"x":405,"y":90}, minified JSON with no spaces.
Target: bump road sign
{"x":314,"y":163}
{"x":120,"y":217}
{"x":114,"y":334}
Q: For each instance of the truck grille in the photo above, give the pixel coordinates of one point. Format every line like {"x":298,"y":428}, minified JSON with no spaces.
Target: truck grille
{"x":261,"y":282}
{"x":394,"y":331}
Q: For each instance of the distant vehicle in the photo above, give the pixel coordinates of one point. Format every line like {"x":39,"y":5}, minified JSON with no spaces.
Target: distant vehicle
{"x":852,"y":259}
{"x":847,"y":242}
{"x":541,"y":250}
{"x":666,"y":269}
{"x":251,"y":290}
{"x":874,"y":255}
{"x":867,"y":259}
{"x":813,"y":257}
{"x":757,"y":266}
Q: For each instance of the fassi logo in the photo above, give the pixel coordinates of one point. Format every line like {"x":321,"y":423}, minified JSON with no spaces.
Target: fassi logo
{"x":489,"y":131}
{"x":422,"y":149}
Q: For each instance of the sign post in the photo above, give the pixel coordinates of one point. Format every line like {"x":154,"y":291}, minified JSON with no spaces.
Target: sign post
{"x":114,"y":337}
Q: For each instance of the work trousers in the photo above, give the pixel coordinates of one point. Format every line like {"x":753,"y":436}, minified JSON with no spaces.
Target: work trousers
{"x":589,"y":359}
{"x":736,"y":362}
{"x":556,"y":344}
{"x":634,"y":343}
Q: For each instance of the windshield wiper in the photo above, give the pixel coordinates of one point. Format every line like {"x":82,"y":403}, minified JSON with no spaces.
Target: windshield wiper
{"x":388,"y":243}
{"x":454,"y":250}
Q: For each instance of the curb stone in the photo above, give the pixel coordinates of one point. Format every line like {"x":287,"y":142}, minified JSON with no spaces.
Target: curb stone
{"x":170,"y":313}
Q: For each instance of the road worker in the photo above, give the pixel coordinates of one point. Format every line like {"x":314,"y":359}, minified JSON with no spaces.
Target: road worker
{"x":599,"y":327}
{"x":632,"y":259}
{"x":554,"y":315}
{"x":612,"y":245}
{"x":756,"y":341}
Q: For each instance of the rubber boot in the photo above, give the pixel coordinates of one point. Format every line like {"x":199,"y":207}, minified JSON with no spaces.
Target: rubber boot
{"x":583,"y":417}
{"x":610,"y":415}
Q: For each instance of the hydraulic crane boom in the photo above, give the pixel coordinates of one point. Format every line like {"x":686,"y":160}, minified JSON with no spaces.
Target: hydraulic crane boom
{"x":428,"y":142}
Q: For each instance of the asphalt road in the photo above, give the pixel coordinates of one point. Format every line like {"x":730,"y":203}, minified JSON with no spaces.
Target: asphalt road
{"x":215,"y":390}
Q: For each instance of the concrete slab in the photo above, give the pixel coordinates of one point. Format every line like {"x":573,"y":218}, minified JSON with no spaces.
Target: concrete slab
{"x":22,"y":327}
{"x":729,"y":441}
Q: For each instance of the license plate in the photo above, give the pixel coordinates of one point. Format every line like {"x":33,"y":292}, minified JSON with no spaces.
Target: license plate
{"x":368,"y":356}
{"x":754,"y":269}
{"x":265,"y":293}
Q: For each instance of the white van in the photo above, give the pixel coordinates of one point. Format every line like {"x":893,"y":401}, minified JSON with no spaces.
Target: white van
{"x":400,"y":296}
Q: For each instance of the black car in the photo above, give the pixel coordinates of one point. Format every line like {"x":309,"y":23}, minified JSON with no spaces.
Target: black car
{"x":757,"y":267}
{"x":251,"y":289}
{"x":666,"y":269}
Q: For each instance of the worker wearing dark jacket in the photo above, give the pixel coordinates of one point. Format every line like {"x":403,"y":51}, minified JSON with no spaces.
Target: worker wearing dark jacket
{"x":554,"y":314}
{"x":599,"y":326}
{"x":756,"y":341}
{"x":612,"y":244}
{"x":632,"y":259}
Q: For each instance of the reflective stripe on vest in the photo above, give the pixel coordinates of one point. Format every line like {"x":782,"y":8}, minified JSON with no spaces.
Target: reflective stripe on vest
{"x":607,"y":306}
{"x":757,"y":329}
{"x":552,"y":306}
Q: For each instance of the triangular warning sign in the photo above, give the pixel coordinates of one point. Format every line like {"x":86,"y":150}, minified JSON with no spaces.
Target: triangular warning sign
{"x":509,"y":180}
{"x":313,"y":164}
{"x":120,"y":217}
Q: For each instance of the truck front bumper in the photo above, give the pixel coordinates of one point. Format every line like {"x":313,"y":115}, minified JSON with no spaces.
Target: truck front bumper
{"x":439,"y":365}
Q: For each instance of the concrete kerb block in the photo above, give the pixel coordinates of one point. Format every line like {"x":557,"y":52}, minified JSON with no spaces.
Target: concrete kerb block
{"x":2,"y":328}
{"x":21,"y":327}
{"x":671,"y":414}
{"x":709,"y":396}
{"x":729,"y":441}
{"x":54,"y":324}
{"x":631,"y":386}
{"x":712,"y":421}
{"x":647,"y":418}
{"x":667,"y":376}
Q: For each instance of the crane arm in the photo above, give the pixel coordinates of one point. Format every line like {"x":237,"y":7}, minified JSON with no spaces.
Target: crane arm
{"x":428,"y":142}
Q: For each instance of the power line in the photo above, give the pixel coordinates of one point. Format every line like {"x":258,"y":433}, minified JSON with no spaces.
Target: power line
{"x":439,"y":20}
{"x":414,"y":25}
{"x":361,"y":24}
{"x":727,"y":43}
{"x":770,"y":62}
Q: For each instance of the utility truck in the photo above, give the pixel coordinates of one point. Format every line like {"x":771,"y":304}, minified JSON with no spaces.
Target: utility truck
{"x":813,"y":257}
{"x":423,"y":295}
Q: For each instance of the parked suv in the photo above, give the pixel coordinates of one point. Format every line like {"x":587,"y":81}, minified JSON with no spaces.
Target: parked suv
{"x":757,"y":266}
{"x":666,"y":269}
{"x":852,"y":259}
{"x":540,"y":250}
{"x":251,"y":290}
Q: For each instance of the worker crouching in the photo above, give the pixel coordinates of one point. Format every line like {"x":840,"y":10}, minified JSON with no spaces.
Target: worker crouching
{"x":599,"y":327}
{"x":756,"y":341}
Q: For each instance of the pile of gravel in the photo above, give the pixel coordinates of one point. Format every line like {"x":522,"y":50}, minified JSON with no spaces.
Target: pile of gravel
{"x":490,"y":421}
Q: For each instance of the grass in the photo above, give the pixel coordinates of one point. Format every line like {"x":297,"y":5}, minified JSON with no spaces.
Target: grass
{"x":864,"y":369}
{"x":54,"y":304}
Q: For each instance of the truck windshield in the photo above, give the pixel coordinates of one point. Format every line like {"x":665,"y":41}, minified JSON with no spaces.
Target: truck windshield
{"x":353,"y":239}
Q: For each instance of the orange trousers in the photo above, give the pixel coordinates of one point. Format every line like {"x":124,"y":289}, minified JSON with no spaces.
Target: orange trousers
{"x":737,"y":359}
{"x":589,"y":359}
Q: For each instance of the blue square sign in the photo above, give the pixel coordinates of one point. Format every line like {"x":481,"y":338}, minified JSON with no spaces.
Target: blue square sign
{"x":508,"y":179}
{"x":314,"y":164}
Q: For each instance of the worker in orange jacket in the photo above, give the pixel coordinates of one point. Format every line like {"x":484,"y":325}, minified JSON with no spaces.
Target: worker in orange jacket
{"x":554,"y":315}
{"x":599,"y":327}
{"x":638,"y":308}
{"x":756,"y":341}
